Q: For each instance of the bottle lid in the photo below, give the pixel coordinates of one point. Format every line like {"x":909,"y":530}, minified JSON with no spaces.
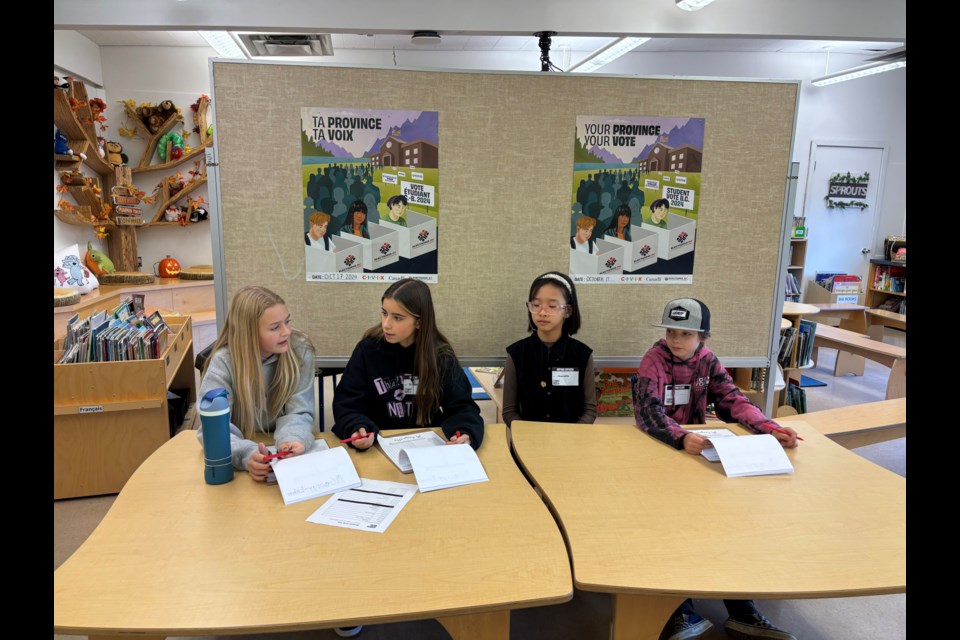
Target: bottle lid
{"x":215,"y":402}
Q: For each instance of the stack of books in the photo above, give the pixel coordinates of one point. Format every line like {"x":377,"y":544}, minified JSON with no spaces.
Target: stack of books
{"x":126,"y":333}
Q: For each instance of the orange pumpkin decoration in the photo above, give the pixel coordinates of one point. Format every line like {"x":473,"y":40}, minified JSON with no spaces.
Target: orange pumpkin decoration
{"x":169,"y":268}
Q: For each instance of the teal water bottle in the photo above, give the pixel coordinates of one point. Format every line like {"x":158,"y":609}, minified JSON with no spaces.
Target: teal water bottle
{"x":215,"y":422}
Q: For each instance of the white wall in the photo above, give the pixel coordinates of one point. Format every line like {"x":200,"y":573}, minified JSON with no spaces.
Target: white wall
{"x":154,"y":74}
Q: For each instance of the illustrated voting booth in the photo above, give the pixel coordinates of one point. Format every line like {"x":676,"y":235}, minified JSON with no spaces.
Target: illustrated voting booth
{"x":607,"y":259}
{"x":640,"y":251}
{"x":347,"y":257}
{"x":382,"y":248}
{"x":677,"y":239}
{"x":418,"y":237}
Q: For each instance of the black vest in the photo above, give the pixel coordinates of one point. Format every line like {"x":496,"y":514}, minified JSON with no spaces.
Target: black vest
{"x":535,"y":363}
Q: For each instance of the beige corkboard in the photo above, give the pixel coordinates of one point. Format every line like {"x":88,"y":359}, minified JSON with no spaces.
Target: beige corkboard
{"x":506,"y":161}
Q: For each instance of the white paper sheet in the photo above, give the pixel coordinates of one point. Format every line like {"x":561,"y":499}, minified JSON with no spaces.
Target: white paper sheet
{"x":317,"y":474}
{"x":394,"y":447}
{"x":318,"y":445}
{"x":370,"y":507}
{"x":710,"y":453}
{"x":757,"y":455}
{"x":451,"y":465}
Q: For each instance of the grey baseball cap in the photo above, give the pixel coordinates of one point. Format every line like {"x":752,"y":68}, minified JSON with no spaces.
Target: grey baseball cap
{"x":685,"y":313}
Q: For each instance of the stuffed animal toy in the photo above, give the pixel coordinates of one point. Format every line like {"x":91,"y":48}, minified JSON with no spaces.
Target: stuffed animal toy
{"x":98,"y":262}
{"x":115,"y":155}
{"x":59,"y":84}
{"x":172,"y":214}
{"x":61,"y":146}
{"x":176,"y":146}
{"x":198,"y":213}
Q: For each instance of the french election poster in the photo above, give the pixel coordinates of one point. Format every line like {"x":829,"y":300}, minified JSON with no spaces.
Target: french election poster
{"x":635,"y":199}
{"x":370,"y":194}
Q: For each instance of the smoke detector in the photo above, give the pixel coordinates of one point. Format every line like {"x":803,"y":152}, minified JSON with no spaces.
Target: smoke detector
{"x":270,"y":45}
{"x":425,"y":37}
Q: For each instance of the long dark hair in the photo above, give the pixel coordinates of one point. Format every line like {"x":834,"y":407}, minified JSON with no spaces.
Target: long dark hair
{"x":622,"y":210}
{"x":357,"y":205}
{"x":563,"y":282}
{"x":432,"y":347}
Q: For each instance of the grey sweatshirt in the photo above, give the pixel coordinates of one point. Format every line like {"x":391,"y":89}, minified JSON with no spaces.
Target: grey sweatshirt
{"x":295,"y":423}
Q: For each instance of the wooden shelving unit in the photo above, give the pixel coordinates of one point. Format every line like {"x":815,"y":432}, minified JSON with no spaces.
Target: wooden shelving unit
{"x":798,"y":258}
{"x":794,"y":312}
{"x":79,"y":128}
{"x":108,"y":417}
{"x":877,"y":296}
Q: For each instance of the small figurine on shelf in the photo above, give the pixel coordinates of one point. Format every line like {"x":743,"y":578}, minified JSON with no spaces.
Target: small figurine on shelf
{"x":98,"y":262}
{"x":62,"y":147}
{"x":115,"y":155}
{"x":198,"y":213}
{"x":59,"y":84}
{"x":172,"y":214}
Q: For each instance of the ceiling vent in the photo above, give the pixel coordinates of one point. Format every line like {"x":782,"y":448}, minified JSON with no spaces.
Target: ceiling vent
{"x":425,"y":38}
{"x":271,"y":45}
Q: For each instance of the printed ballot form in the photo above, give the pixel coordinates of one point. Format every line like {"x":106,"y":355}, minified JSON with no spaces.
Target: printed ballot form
{"x":709,"y":452}
{"x":370,"y":507}
{"x":395,"y":447}
{"x":315,"y":474}
{"x":757,"y":455}
{"x":451,"y":465}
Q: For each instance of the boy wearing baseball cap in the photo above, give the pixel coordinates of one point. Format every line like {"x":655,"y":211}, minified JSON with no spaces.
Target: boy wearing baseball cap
{"x":676,"y":380}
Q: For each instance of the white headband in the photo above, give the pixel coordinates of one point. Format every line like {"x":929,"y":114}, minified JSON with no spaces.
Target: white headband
{"x":559,"y":279}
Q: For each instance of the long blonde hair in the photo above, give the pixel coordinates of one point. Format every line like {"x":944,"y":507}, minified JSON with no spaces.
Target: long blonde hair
{"x":254,"y":407}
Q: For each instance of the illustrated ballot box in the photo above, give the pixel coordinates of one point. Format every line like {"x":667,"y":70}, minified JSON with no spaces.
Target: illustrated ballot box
{"x":380,"y":250}
{"x":418,"y":237}
{"x":677,"y":239}
{"x":640,"y":251}
{"x":607,"y":259}
{"x":347,"y":257}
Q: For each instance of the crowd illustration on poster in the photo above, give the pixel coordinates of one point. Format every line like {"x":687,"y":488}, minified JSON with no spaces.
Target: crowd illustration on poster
{"x":635,"y":201}
{"x":370,"y":194}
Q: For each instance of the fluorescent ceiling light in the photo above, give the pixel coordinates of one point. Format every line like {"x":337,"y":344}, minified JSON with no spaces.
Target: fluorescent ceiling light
{"x":223,"y":44}
{"x":858,"y":72}
{"x":607,"y":54}
{"x":692,"y":5}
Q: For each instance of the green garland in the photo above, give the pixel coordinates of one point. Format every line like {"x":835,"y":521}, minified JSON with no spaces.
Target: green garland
{"x":847,"y":178}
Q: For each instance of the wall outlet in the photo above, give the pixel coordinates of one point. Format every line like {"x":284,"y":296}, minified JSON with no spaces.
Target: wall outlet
{"x":139,"y":262}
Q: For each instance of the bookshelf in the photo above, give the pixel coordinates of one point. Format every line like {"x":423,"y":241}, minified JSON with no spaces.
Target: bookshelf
{"x":108,"y":417}
{"x":795,"y":264}
{"x":72,"y":115}
{"x":794,"y":313}
{"x":887,"y":285}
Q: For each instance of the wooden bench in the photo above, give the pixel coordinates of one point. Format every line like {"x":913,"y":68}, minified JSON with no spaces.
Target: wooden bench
{"x":877,"y":319}
{"x":860,"y":345}
{"x":859,"y":424}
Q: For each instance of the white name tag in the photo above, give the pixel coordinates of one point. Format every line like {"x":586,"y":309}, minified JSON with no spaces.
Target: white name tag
{"x":676,"y":394}
{"x":565,"y":377}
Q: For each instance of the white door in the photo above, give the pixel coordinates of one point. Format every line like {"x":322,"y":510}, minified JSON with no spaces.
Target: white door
{"x":842,"y":240}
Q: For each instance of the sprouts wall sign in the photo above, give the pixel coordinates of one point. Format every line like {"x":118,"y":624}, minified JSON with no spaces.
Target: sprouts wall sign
{"x":847,"y":191}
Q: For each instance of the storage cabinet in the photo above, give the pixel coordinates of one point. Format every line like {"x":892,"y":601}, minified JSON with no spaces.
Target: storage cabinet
{"x":108,"y":417}
{"x":887,"y":285}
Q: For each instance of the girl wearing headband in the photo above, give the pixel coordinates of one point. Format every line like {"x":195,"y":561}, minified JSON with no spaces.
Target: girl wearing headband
{"x":548,"y":376}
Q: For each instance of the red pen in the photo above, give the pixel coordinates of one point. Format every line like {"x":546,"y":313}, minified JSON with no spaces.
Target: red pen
{"x":278,"y":454}
{"x":356,"y":437}
{"x":784,"y":431}
{"x":456,"y":435}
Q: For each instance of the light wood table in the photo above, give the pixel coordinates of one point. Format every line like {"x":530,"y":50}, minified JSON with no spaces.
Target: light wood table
{"x":653,"y":525}
{"x":877,"y":319}
{"x":486,"y":381}
{"x":857,"y":344}
{"x":859,"y":424}
{"x":175,"y":556}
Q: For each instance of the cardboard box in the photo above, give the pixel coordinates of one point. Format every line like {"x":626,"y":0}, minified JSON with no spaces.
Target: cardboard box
{"x":639,"y":252}
{"x":380,"y":250}
{"x":418,"y":237}
{"x":677,"y":239}
{"x":607,"y":259}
